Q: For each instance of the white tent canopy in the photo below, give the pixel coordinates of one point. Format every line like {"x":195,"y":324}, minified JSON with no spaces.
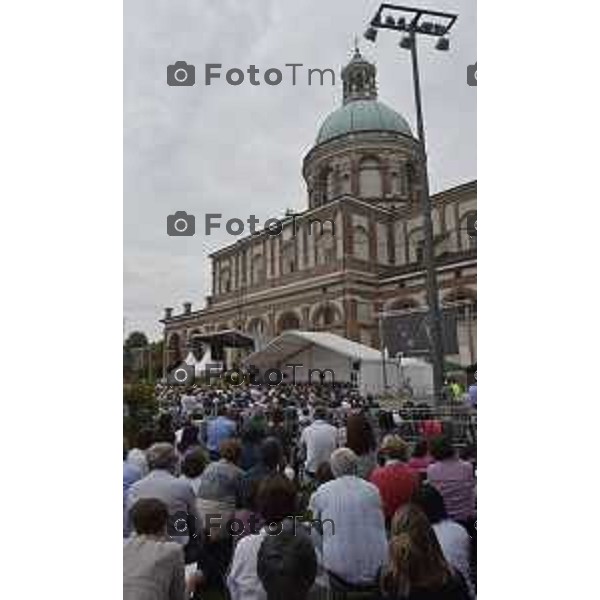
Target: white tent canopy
{"x":200,"y":366}
{"x":291,"y":342}
{"x":340,"y":360}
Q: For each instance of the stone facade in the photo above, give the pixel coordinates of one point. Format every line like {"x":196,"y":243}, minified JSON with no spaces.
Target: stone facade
{"x":356,"y":250}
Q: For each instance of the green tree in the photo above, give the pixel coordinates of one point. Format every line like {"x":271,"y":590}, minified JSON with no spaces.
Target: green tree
{"x":136,"y":339}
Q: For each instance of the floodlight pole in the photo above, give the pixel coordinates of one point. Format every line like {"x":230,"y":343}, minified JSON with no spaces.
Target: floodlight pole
{"x":383,"y":358}
{"x":435,"y":318}
{"x":411,"y":27}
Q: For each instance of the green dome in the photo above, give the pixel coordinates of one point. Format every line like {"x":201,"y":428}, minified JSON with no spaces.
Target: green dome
{"x":362,"y":115}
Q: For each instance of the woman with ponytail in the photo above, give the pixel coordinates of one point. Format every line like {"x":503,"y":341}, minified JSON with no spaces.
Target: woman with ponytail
{"x":417,"y":569}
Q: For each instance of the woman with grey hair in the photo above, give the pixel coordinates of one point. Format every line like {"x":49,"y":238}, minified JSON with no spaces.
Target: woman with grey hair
{"x":162,"y":455}
{"x":349,"y":513}
{"x":343,"y":462}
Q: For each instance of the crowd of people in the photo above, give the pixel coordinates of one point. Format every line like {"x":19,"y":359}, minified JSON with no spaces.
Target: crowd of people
{"x":300,"y":491}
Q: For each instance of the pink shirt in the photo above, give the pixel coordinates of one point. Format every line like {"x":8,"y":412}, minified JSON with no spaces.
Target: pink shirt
{"x":420,"y":463}
{"x":430,"y":428}
{"x":455,"y":481}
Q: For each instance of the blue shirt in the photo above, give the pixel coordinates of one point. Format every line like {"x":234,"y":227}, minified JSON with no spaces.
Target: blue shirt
{"x":473,"y":395}
{"x":219,"y":430}
{"x":354,"y":543}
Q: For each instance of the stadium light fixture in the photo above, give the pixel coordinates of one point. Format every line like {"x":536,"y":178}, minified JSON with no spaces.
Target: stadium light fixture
{"x":443,"y":44}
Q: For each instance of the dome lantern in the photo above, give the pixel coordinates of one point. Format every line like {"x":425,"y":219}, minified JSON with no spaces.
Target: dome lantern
{"x":359,"y":79}
{"x":361,"y":110}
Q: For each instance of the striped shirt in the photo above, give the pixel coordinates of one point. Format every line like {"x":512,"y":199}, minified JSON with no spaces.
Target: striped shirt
{"x":354,"y":545}
{"x":455,"y":481}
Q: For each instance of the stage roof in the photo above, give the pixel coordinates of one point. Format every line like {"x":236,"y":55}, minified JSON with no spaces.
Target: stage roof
{"x":227,"y":337}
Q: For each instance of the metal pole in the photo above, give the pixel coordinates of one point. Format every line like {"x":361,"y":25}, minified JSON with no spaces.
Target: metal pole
{"x":437,"y":351}
{"x":401,"y":366}
{"x":383,"y":366}
{"x":468,"y":319}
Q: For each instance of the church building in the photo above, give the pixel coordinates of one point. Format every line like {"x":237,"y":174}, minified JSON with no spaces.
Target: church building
{"x":356,"y":251}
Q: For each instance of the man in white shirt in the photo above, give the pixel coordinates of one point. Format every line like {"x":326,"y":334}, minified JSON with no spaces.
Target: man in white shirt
{"x":349,"y":512}
{"x":319,"y":440}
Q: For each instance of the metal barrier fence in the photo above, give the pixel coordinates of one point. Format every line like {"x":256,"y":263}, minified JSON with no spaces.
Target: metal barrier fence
{"x":414,"y":424}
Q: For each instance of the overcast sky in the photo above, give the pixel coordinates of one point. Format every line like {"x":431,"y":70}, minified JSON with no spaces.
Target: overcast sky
{"x":238,"y":149}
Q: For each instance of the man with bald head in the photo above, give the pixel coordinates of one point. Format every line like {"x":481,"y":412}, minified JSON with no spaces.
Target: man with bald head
{"x":354,"y":544}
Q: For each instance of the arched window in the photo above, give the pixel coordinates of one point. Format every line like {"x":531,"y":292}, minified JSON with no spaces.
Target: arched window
{"x":370,"y":183}
{"x":287,"y":321}
{"x":326,"y":316}
{"x":360,"y":243}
